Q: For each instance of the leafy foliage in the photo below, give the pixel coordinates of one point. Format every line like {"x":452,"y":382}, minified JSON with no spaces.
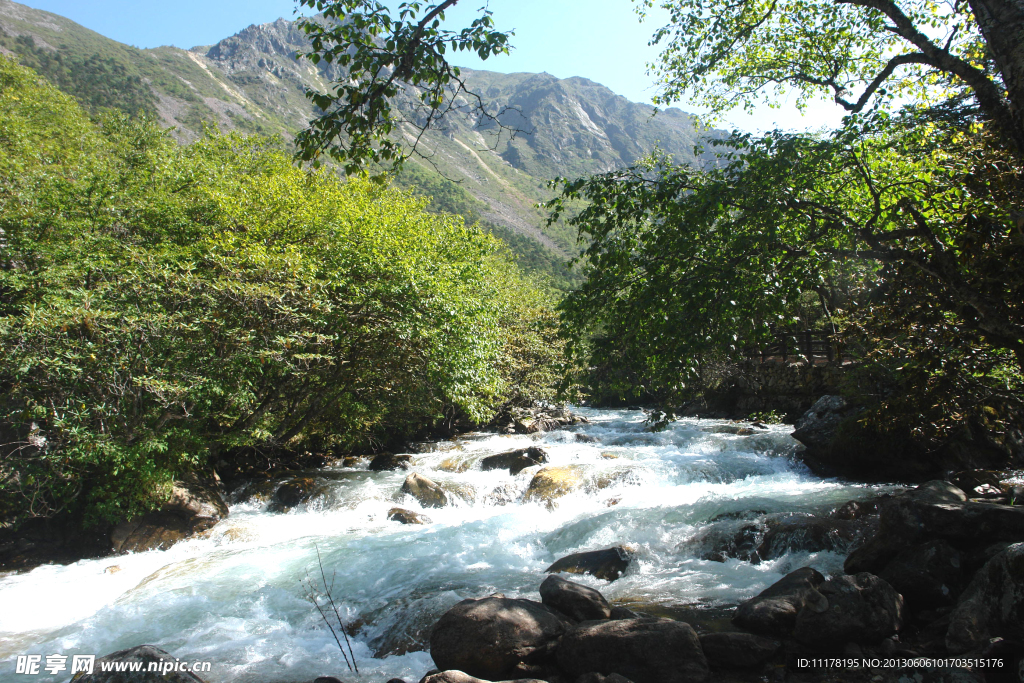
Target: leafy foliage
{"x":163,"y":307}
{"x":384,"y":56}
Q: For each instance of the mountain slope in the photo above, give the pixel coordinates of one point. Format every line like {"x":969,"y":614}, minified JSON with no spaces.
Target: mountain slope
{"x":253,"y":82}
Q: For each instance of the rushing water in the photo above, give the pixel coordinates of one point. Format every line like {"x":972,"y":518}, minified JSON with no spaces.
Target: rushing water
{"x":237,"y":597}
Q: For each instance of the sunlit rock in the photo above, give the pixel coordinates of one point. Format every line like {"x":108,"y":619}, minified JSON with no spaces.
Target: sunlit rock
{"x":424,"y":490}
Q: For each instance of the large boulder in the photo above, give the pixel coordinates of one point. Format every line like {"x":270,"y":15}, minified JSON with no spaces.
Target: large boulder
{"x":146,"y":654}
{"x":551,"y":483}
{"x":294,"y":492}
{"x":807,"y":533}
{"x":429,"y":494}
{"x":773,"y":611}
{"x":992,"y":605}
{"x":736,"y":650}
{"x":576,"y":601}
{"x":515,"y":461}
{"x":655,"y":650}
{"x":607,"y":564}
{"x":494,"y":637}
{"x":926,"y":575}
{"x":862,"y":608}
{"x":385,"y":462}
{"x":817,"y":427}
{"x":196,"y":504}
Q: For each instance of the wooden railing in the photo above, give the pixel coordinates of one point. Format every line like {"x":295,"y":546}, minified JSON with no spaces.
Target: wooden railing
{"x":805,"y":344}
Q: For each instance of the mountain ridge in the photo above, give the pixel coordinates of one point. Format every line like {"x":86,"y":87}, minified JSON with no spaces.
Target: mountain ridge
{"x":253,"y":82}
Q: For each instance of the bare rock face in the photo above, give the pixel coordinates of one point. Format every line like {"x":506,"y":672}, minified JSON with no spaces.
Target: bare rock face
{"x":403,"y":516}
{"x":551,"y":483}
{"x":145,"y":654}
{"x":661,"y":650}
{"x":607,"y":564}
{"x":195,"y":505}
{"x":576,"y":601}
{"x":495,"y":637}
{"x":429,"y":494}
{"x":736,"y":650}
{"x":515,"y":461}
{"x":862,"y":608}
{"x":773,"y":612}
{"x":992,"y":605}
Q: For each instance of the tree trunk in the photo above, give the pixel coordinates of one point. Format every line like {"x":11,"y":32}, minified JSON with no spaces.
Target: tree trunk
{"x":1002,"y":25}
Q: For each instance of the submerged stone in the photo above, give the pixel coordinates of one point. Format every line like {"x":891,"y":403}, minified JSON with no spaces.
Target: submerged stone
{"x":607,"y":564}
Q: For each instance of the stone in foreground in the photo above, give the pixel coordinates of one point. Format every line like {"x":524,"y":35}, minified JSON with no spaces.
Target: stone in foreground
{"x":992,"y":605}
{"x":146,"y":654}
{"x":773,"y":611}
{"x":656,"y":650}
{"x":608,"y":564}
{"x":576,"y":601}
{"x":736,"y":650}
{"x":429,"y":494}
{"x":492,"y":637}
{"x":861,"y":608}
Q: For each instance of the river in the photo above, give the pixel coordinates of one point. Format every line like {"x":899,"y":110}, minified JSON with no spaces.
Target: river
{"x":236,"y":597}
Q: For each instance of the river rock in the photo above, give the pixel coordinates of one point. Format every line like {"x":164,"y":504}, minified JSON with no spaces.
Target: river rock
{"x":992,"y":604}
{"x":195,"y":505}
{"x":736,"y":650}
{"x":926,"y":575}
{"x":862,"y":608}
{"x":492,"y":637}
{"x":403,"y":516}
{"x":576,"y":601}
{"x":429,"y":494}
{"x":551,"y":483}
{"x":773,"y":611}
{"x":727,"y":538}
{"x":620,"y":612}
{"x":607,"y":564}
{"x":817,"y":427}
{"x":648,"y":649}
{"x":515,"y":461}
{"x":145,"y":654}
{"x":293,"y":492}
{"x":390,"y":461}
{"x":808,"y":533}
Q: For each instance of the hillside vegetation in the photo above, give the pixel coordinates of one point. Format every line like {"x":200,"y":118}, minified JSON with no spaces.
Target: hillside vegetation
{"x":163,"y":307}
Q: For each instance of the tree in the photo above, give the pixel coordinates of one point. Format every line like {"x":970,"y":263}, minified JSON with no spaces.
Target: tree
{"x":385,"y":58}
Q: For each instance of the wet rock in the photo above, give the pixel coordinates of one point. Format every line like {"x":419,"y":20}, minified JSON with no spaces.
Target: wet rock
{"x":292,"y":493}
{"x":390,"y":461}
{"x":584,"y":438}
{"x":808,"y":533}
{"x":332,"y":679}
{"x":195,"y":505}
{"x":773,"y":612}
{"x":926,"y":575}
{"x":404,"y":516}
{"x":737,"y":650}
{"x":607,"y":564}
{"x":145,"y":654}
{"x":660,"y":650}
{"x":491,"y":637}
{"x":515,"y":461}
{"x":429,"y":494}
{"x":862,"y":608}
{"x":726,"y":538}
{"x":551,"y":483}
{"x":978,"y":483}
{"x":992,"y":605}
{"x":855,"y":510}
{"x":576,"y":601}
{"x":462,"y":677}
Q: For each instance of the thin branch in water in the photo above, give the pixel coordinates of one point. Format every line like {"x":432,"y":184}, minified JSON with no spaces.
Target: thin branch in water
{"x":314,"y":595}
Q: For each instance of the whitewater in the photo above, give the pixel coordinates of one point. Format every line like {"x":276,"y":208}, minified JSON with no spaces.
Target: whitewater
{"x":237,"y":596}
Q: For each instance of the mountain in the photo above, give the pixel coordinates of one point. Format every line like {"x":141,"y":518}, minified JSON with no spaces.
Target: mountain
{"x":253,"y":82}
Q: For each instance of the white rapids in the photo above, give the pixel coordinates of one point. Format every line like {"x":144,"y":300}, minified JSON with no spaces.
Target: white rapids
{"x":236,"y":597}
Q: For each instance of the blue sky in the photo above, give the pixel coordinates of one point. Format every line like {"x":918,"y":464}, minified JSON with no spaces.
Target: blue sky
{"x":602,"y":40}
